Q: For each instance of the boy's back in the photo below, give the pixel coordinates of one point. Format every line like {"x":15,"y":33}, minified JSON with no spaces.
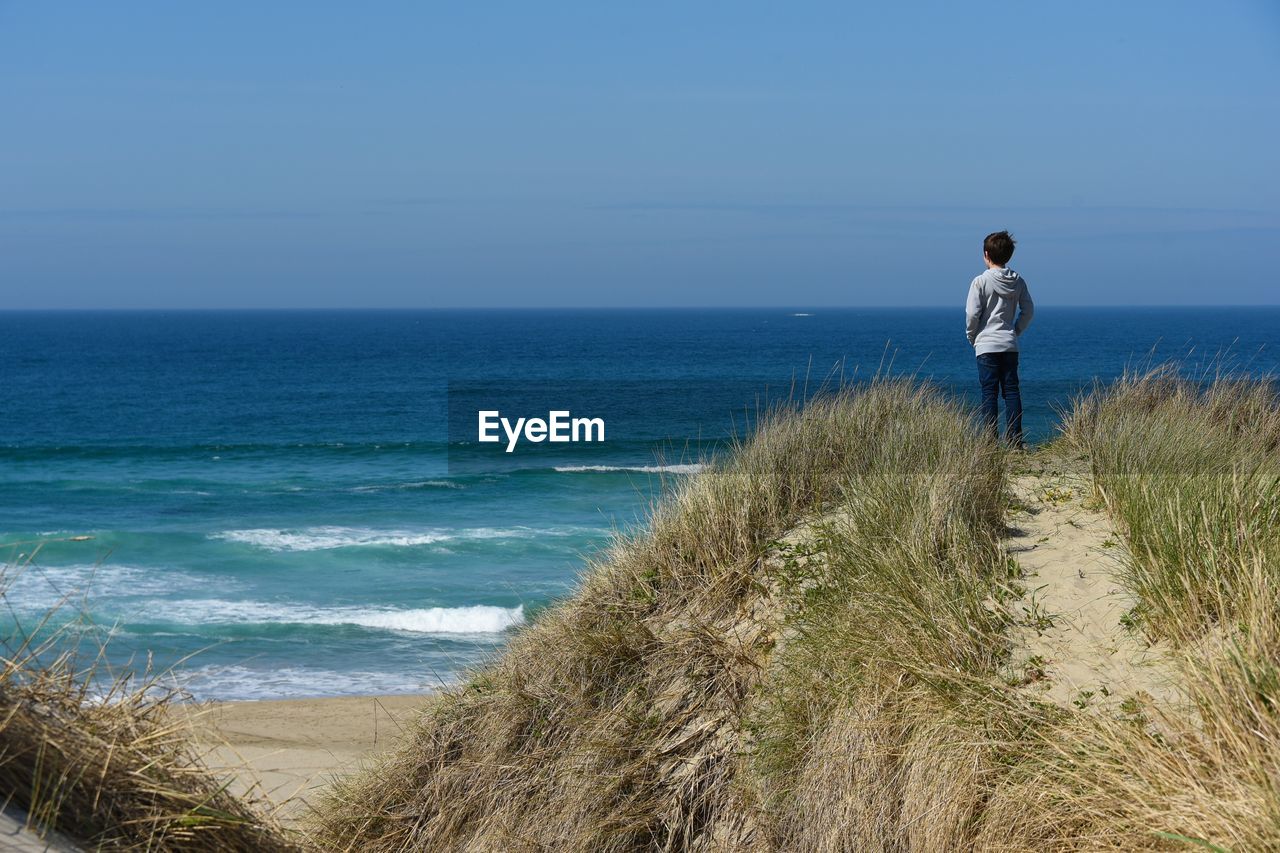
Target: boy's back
{"x":998,"y":311}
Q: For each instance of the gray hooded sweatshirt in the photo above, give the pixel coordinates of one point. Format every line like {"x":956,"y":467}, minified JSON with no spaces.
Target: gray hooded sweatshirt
{"x":998,"y":311}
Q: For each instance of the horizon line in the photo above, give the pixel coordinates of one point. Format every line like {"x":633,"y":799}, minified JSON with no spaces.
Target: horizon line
{"x":533,"y":308}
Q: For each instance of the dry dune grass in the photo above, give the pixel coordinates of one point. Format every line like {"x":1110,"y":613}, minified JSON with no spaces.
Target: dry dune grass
{"x":864,"y":735}
{"x":719,"y":684}
{"x":621,"y":720}
{"x":807,"y":649}
{"x":98,"y":757}
{"x":115,"y":771}
{"x":1189,"y":471}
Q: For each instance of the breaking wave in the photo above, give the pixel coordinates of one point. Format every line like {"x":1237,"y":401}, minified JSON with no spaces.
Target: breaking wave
{"x":688,"y":468}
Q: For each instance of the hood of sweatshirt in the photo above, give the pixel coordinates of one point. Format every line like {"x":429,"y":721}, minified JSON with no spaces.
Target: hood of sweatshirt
{"x":1003,"y":281}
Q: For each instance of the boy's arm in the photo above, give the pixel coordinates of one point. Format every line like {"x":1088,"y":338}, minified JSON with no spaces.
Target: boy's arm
{"x":973,"y":312}
{"x":1026,"y":310}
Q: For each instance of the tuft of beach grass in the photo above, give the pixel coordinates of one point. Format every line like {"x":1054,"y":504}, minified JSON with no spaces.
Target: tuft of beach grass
{"x":104,"y":760}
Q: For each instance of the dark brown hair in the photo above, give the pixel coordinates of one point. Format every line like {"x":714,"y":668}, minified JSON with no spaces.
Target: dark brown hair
{"x":999,"y":247}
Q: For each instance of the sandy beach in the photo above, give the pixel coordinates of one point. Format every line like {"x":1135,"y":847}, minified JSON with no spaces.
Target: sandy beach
{"x":284,"y":751}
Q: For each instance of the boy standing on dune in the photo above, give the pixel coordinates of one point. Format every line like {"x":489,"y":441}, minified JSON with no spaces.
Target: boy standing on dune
{"x":998,"y":311}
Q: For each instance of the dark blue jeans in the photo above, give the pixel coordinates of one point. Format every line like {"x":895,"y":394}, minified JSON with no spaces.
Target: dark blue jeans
{"x":998,"y":376}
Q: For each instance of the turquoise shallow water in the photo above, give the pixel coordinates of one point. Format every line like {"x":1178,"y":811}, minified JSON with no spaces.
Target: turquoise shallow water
{"x":276,"y":499}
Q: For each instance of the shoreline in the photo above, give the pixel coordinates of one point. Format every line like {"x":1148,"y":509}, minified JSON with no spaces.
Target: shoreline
{"x":281,"y":753}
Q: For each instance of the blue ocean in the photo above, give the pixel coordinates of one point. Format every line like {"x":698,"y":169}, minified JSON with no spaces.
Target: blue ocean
{"x":278,"y":504}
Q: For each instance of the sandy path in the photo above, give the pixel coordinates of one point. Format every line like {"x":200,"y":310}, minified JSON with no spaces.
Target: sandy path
{"x":1073,"y":646}
{"x":283,"y":752}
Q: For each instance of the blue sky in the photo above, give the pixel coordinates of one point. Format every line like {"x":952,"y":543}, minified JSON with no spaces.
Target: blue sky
{"x":658,"y":154}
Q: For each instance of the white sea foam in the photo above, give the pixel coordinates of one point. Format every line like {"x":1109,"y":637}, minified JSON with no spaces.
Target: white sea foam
{"x":39,"y":588}
{"x":324,"y":538}
{"x":329,"y":537}
{"x":475,"y":619}
{"x":478,"y":619}
{"x":417,"y":484}
{"x":234,"y":682}
{"x":689,"y":468}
